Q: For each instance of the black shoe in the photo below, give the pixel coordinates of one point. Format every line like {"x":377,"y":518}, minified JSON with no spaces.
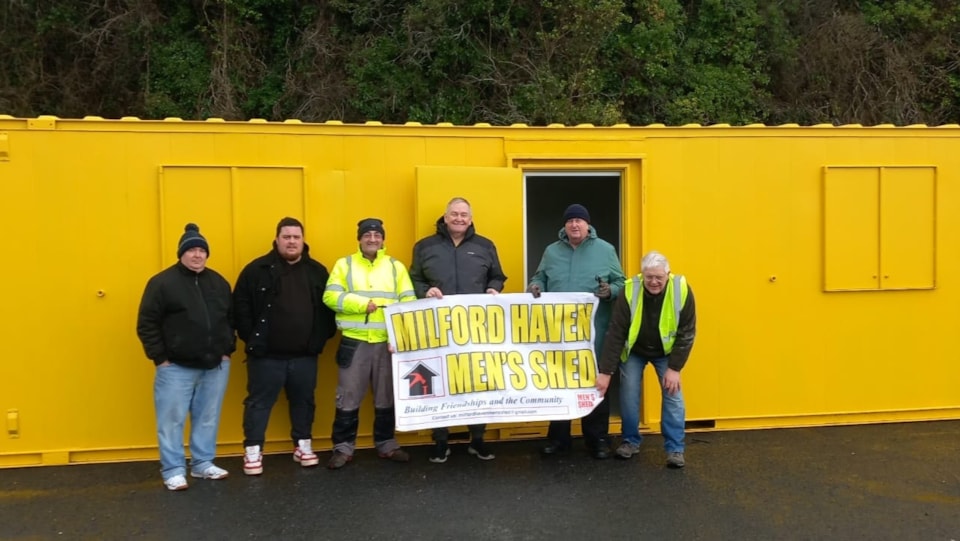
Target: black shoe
{"x":555,"y":448}
{"x":480,"y":450}
{"x":440,"y":452}
{"x":601,"y":453}
{"x":601,"y":450}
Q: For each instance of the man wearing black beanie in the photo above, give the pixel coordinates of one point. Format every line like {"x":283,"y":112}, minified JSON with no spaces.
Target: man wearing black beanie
{"x":360,"y":286}
{"x":581,"y":261}
{"x":184,"y":325}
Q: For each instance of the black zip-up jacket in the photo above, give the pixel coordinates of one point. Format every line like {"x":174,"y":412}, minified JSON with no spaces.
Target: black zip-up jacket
{"x":471,"y":267}
{"x":256,"y":291}
{"x":185,"y":317}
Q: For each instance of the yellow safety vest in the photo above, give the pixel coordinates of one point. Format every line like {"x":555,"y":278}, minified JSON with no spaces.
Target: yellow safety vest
{"x":354,"y":282}
{"x":669,"y":318}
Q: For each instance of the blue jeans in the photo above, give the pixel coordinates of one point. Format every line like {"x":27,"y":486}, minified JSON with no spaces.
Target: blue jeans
{"x":672,"y":411}
{"x":178,"y":390}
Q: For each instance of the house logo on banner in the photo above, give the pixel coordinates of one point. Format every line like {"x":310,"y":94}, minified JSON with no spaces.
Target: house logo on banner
{"x":421,"y":379}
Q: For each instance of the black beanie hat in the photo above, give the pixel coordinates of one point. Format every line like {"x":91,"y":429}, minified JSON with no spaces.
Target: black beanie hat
{"x":576,"y":211}
{"x":191,"y":239}
{"x":370,"y":224}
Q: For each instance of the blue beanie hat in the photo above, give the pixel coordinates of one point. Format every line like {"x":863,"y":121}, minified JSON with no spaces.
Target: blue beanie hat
{"x":191,"y":239}
{"x":576,"y":211}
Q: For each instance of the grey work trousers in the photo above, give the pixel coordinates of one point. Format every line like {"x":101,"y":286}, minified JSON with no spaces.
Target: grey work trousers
{"x":369,"y":365}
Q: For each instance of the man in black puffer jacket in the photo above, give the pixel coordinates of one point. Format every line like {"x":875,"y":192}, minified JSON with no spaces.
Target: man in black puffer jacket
{"x":456,"y":261}
{"x":185,"y":326}
{"x":281,"y":317}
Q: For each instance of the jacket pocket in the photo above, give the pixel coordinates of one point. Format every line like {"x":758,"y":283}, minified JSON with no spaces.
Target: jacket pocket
{"x":346,"y":351}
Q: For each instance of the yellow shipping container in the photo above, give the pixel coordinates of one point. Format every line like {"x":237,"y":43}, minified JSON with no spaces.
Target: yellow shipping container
{"x":823,"y":258}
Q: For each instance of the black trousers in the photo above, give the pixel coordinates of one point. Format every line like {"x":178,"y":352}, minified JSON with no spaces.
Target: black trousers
{"x":265,"y":378}
{"x":443,"y":434}
{"x":596,"y":427}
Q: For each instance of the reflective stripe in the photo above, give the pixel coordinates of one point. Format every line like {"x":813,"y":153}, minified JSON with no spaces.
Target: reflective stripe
{"x":384,"y":294}
{"x":374,"y":294}
{"x":372,"y":325}
{"x":335,"y":287}
{"x":340,"y":298}
{"x":350,"y":273}
{"x":634,"y":300}
{"x":677,"y":298}
{"x":677,"y":305}
{"x":409,"y":293}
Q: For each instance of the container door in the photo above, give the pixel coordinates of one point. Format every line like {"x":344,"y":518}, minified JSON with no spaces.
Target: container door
{"x":496,"y":199}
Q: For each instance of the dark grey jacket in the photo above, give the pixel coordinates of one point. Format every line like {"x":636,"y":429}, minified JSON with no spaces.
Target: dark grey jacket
{"x":471,"y":267}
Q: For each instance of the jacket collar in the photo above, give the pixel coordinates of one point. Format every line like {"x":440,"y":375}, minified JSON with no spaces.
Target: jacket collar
{"x":442,"y":230}
{"x":381,"y":253}
{"x":591,"y":234}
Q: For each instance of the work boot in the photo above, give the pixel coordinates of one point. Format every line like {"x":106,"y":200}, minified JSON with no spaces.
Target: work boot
{"x":338,"y":460}
{"x":675,"y":460}
{"x":397,"y":455}
{"x":601,"y":450}
{"x":555,"y":448}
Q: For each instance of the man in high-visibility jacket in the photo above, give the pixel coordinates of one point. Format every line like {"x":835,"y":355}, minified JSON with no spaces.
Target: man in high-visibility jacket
{"x":654,"y":321}
{"x":360,"y":286}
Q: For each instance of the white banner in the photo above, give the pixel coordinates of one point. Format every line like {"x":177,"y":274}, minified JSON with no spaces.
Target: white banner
{"x":471,"y":359}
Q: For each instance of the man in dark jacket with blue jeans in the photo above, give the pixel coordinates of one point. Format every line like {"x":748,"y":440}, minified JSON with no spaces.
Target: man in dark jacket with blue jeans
{"x":456,"y":261}
{"x":184,"y":325}
{"x":281,"y":317}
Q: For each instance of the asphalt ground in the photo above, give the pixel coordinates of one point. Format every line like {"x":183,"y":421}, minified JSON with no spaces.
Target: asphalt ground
{"x":887,"y":481}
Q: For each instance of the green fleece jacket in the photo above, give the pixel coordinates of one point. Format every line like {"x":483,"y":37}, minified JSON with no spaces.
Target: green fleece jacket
{"x":564,"y":268}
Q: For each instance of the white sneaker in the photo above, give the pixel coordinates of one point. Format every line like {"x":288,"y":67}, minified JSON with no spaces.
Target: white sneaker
{"x":252,"y":460}
{"x":177,"y":482}
{"x":211,"y":472}
{"x":304,"y":454}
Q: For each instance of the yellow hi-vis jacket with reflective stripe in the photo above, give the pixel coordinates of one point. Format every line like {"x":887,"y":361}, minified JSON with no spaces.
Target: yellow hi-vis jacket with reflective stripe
{"x":669,"y":315}
{"x":354,"y":282}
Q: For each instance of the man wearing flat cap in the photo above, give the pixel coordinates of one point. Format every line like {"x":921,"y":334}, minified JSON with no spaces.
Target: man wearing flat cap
{"x":185,"y":326}
{"x":581,"y":261}
{"x":360,"y":286}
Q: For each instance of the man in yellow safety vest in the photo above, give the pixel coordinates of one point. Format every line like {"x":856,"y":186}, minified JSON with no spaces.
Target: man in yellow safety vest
{"x":360,"y":286}
{"x":655,"y":322}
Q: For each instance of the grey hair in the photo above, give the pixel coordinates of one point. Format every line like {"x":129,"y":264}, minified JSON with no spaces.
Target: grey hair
{"x":653,"y":260}
{"x":456,"y":200}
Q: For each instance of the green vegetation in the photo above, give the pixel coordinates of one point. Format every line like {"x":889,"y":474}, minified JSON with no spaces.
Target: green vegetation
{"x":496,"y":61}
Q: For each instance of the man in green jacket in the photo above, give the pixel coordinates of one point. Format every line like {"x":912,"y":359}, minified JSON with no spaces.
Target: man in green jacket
{"x":581,"y":262}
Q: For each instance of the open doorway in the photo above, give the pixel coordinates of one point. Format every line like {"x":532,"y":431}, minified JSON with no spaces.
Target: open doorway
{"x":546,"y":195}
